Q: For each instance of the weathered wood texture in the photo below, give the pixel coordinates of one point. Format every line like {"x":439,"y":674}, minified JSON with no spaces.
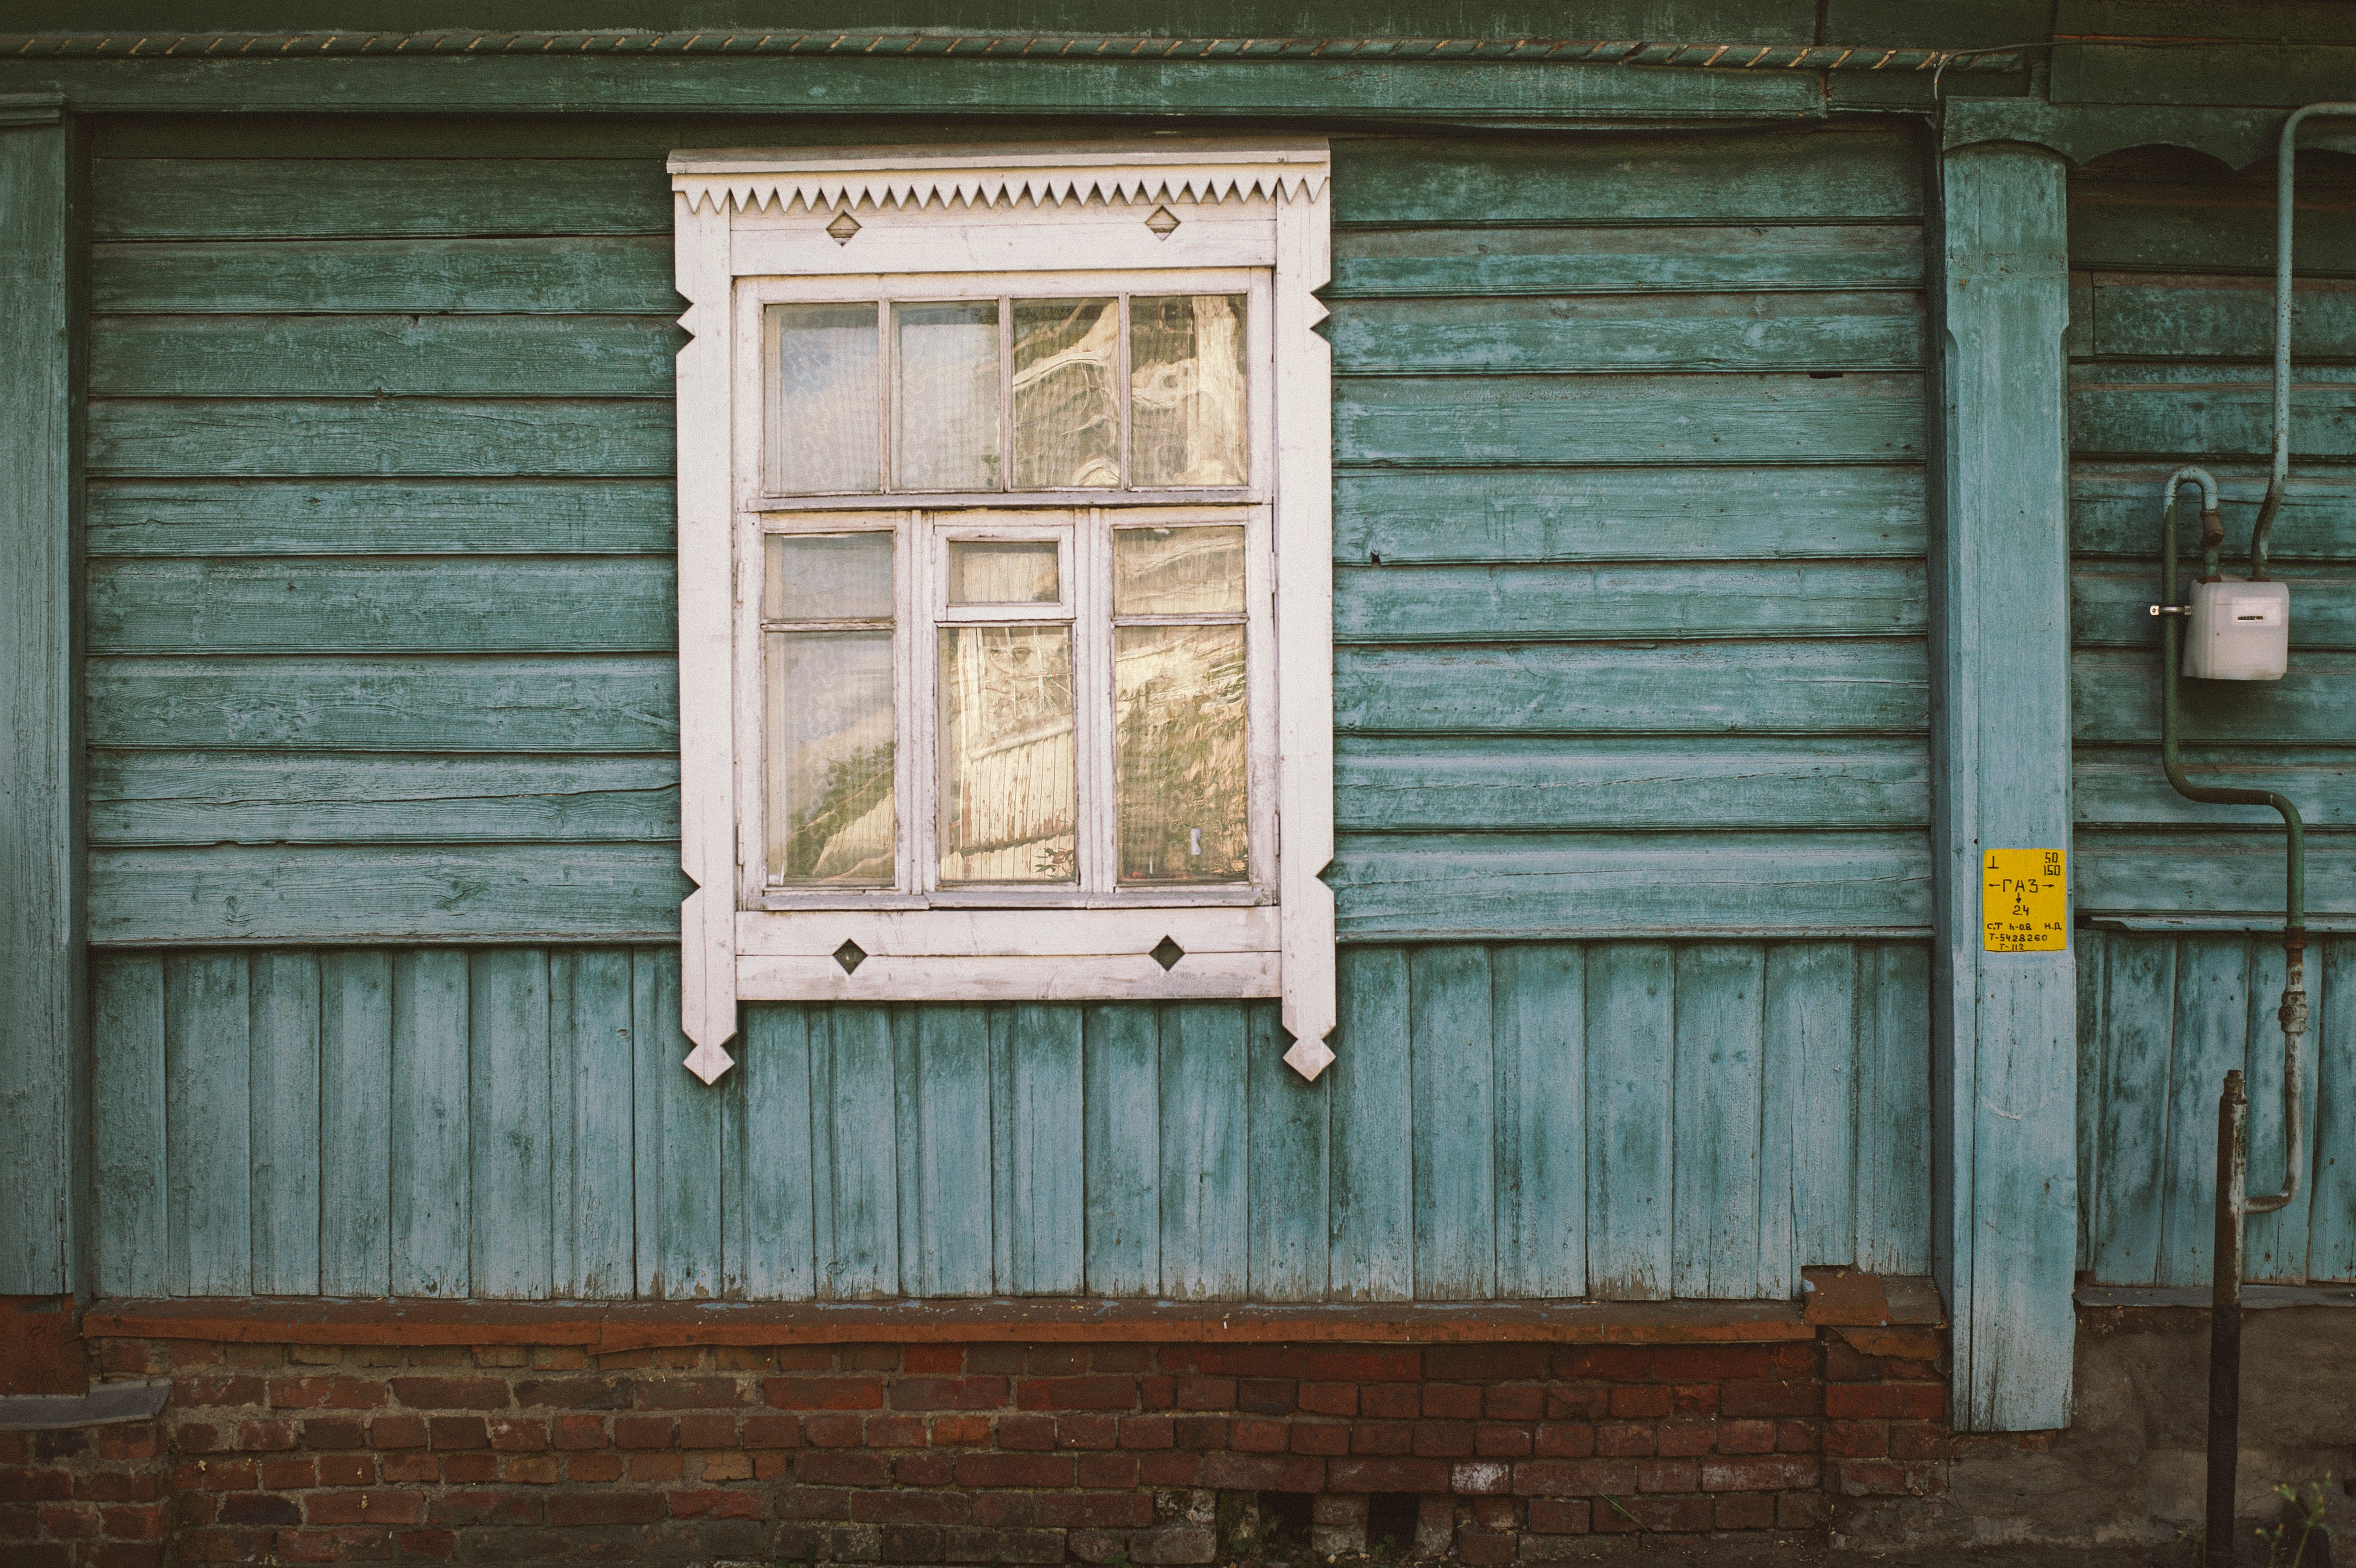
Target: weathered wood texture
{"x":1698,"y":1119}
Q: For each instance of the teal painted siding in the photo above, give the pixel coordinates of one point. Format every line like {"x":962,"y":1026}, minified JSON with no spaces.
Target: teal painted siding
{"x":1528,"y":1120}
{"x":1632,"y":697}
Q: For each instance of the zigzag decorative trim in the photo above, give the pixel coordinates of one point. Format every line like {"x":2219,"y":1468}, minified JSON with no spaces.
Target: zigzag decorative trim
{"x":823,"y":192}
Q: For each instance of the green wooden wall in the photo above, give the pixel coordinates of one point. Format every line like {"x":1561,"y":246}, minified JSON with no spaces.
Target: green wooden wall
{"x":1630,"y":702}
{"x":2171,"y":338}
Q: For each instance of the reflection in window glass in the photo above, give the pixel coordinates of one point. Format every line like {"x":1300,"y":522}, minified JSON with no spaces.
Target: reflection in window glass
{"x":1186,"y":390}
{"x":1182,"y":756}
{"x":1178,"y":572}
{"x":1003,"y":571}
{"x":828,"y":577}
{"x":821,"y":436}
{"x":946,"y":397}
{"x":1067,"y":393}
{"x":830,"y":809}
{"x":1008,"y":811}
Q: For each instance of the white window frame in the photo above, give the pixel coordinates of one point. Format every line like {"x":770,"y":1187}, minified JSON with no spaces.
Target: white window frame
{"x":752,"y":228}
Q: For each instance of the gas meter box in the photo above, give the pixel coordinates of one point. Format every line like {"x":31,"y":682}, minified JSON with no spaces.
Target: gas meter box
{"x":2239,"y":631}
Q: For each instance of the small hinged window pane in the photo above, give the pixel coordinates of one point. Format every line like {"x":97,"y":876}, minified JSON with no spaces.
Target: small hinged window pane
{"x":1008,"y":781}
{"x":1004,"y":571}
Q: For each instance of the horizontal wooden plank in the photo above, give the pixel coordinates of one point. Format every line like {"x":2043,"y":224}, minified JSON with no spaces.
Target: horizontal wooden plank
{"x":384,"y":356}
{"x":1789,"y":331}
{"x":602,"y":604}
{"x":1501,"y":784}
{"x":1655,"y":176}
{"x":2124,"y":786}
{"x":2206,"y":410}
{"x":380,"y":517}
{"x":550,"y":274}
{"x":423,"y":436}
{"x":1489,"y":260}
{"x":1131,"y":977}
{"x":342,"y":894}
{"x":1623,"y":514}
{"x":2202,"y":316}
{"x":453,"y":704}
{"x":221,"y":199}
{"x":1860,"y":687}
{"x":2185,"y":220}
{"x":2110,"y":605}
{"x":1480,"y":420}
{"x":2208,"y":873}
{"x":1392,"y":603}
{"x":1528,"y":886}
{"x":2114,"y":695}
{"x":262,"y":797}
{"x":2115,"y":510}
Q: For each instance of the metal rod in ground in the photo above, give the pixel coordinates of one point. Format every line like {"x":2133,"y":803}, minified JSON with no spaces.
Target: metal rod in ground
{"x":2225,"y":1320}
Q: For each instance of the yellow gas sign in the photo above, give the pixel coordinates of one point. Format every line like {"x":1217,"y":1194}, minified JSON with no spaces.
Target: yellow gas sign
{"x":2025,"y":901}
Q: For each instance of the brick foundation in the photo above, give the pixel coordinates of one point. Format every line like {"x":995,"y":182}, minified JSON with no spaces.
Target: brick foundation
{"x":976,"y":1453}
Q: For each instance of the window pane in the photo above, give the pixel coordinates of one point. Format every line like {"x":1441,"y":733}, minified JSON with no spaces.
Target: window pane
{"x":823,"y":412}
{"x":1178,"y":718}
{"x":831,"y":744}
{"x":1002,"y":572}
{"x":1067,"y":393}
{"x":1186,"y":390}
{"x":829,"y":577}
{"x":946,"y":397}
{"x":1007,"y":779}
{"x":1178,"y":572}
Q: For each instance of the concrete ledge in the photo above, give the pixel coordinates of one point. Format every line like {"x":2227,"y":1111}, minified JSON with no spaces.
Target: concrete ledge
{"x":635,"y":1326}
{"x":104,"y":1405}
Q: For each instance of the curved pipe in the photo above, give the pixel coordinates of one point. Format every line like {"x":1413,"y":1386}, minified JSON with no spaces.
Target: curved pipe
{"x":2285,"y":164}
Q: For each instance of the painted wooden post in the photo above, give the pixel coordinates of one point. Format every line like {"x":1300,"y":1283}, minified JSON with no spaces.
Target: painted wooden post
{"x":2004,"y":1024}
{"x":44,"y":1087}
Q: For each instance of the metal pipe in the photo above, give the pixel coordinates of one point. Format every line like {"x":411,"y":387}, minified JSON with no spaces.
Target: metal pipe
{"x":2225,"y":1321}
{"x":2286,"y":162}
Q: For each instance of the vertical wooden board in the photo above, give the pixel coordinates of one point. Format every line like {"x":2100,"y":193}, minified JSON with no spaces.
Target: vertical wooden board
{"x":207,"y":1057}
{"x":1040,"y":1187}
{"x":1290,"y":1120}
{"x":432,"y":1208}
{"x":1630,"y":1001}
{"x":854,"y":1153}
{"x":2331,"y":1234}
{"x":509,"y":1121}
{"x":1810,"y":1089}
{"x":1714,"y":1226}
{"x":284,"y":1082}
{"x":772,"y":1168}
{"x":1121,"y":1065}
{"x":356,"y":1122}
{"x":1893,"y":1104}
{"x":2093,"y":949}
{"x":1453,"y":1088}
{"x":2276,"y":1246}
{"x":1373,"y":1221}
{"x":128,"y":1123}
{"x":946,"y":1208}
{"x":1537,"y":1033}
{"x":2211,"y":1026}
{"x":907,"y":1135}
{"x":2138,"y":1038}
{"x":680,"y":1148}
{"x":591,"y":1066}
{"x":1204,"y":1174}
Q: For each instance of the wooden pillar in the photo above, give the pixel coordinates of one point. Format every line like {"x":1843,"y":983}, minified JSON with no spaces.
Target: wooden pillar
{"x":44,"y":1057}
{"x":2004,"y":1023}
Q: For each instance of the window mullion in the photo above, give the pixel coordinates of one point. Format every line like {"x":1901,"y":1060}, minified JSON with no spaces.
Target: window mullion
{"x":1091,"y":604}
{"x":920,"y":817}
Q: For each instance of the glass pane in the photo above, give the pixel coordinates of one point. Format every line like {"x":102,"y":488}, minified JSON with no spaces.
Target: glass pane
{"x":823,"y":413}
{"x":1186,"y":390}
{"x":1067,"y":393}
{"x":1179,"y":720}
{"x":945,"y":398}
{"x":828,"y":577}
{"x":1002,"y":572}
{"x":830,"y":719}
{"x":1008,"y":784}
{"x":1178,"y":572}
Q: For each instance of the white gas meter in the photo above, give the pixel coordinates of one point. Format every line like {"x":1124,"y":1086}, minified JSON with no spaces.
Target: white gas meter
{"x":2238,"y":631}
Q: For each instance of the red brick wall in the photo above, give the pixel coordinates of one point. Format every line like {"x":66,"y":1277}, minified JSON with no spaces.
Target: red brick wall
{"x":957,"y":1454}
